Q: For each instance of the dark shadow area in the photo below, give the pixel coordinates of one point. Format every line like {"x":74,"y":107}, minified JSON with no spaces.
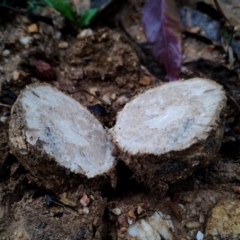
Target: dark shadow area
{"x":5,"y":167}
{"x":182,"y":186}
{"x":126,"y":184}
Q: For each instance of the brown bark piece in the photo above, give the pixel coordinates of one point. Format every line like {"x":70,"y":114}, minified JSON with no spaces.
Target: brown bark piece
{"x":58,"y":141}
{"x":166,"y":133}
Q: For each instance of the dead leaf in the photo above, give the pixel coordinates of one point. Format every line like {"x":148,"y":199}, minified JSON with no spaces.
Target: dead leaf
{"x":163,"y":29}
{"x":44,"y":70}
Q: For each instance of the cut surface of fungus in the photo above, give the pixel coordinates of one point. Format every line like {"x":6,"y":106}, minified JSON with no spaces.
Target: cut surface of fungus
{"x":170,"y":117}
{"x":177,"y":120}
{"x":46,"y":123}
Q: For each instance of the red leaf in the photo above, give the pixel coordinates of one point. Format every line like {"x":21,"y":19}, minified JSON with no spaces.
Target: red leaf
{"x":163,"y":29}
{"x":44,"y":70}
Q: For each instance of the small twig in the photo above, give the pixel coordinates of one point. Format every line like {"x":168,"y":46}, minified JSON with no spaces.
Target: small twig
{"x":59,"y":204}
{"x":33,"y":16}
{"x":233,"y":101}
{"x":230,"y":97}
{"x":11,"y":94}
{"x":220,"y":10}
{"x":51,"y":200}
{"x":5,"y":105}
{"x":85,"y":91}
{"x":234,"y":135}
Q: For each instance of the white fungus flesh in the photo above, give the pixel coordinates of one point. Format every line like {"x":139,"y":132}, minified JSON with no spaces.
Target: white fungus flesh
{"x":168,"y":118}
{"x":167,"y":132}
{"x":55,"y":125}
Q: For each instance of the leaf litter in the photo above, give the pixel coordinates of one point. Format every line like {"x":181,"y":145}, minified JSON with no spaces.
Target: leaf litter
{"x":162,"y":26}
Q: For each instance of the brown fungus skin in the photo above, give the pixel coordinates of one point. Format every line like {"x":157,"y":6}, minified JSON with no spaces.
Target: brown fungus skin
{"x":4,"y":149}
{"x":174,"y":166}
{"x":158,"y":171}
{"x":43,"y":169}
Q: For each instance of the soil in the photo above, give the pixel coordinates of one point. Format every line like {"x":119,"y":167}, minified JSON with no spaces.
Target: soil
{"x":102,"y":69}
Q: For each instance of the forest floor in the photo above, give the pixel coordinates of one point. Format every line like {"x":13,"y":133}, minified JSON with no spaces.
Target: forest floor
{"x":102,"y":69}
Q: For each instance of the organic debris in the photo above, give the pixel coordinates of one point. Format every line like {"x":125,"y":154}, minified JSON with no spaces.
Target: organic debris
{"x":105,"y":68}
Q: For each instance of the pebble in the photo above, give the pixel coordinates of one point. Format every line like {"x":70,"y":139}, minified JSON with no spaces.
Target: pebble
{"x":224,"y":219}
{"x":121,"y":219}
{"x":63,"y":45}
{"x":24,"y":19}
{"x":193,"y":212}
{"x":84,"y":200}
{"x":212,"y":199}
{"x":32,"y":28}
{"x":145,"y":80}
{"x":25,"y":40}
{"x":149,"y":228}
{"x":140,"y":210}
{"x":15,"y":75}
{"x":85,"y":33}
{"x":86,"y":210}
{"x":20,"y":235}
{"x":201,"y":218}
{"x":58,"y":35}
{"x":181,"y":206}
{"x":104,"y":36}
{"x":123,"y":229}
{"x":116,"y":211}
{"x":200,"y":235}
{"x":193,"y":225}
{"x":5,"y":53}
{"x":91,"y":99}
{"x":130,"y":221}
{"x":113,"y":96}
{"x":4,"y":120}
{"x":175,"y":210}
{"x":236,"y":189}
{"x":106,"y":99}
{"x":188,"y":199}
{"x":131,"y":214}
{"x":122,"y":100}
{"x":93,"y":90}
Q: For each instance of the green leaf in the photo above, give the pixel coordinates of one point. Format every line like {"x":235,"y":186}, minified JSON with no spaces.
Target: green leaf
{"x":62,"y":6}
{"x":35,"y":5}
{"x":227,"y":36}
{"x":87,"y":16}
